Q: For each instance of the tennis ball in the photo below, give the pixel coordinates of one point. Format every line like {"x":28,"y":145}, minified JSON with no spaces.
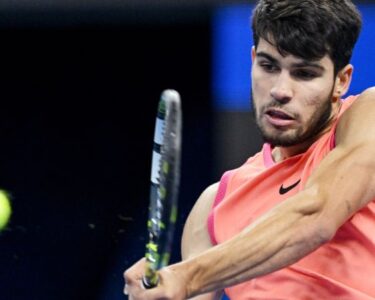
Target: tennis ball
{"x":5,"y":209}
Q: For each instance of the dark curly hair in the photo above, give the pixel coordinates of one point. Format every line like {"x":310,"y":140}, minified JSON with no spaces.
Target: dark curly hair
{"x":309,"y":29}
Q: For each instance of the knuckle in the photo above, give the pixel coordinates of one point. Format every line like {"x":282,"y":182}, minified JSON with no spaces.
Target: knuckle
{"x":127,"y":276}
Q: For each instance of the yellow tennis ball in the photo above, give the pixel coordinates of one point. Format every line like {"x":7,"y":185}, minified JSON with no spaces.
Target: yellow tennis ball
{"x":5,"y":209}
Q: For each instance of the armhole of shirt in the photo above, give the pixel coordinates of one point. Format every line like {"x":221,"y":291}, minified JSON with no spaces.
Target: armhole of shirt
{"x":218,"y":198}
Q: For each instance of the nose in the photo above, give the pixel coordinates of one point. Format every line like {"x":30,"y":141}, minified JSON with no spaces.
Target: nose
{"x":281,"y":90}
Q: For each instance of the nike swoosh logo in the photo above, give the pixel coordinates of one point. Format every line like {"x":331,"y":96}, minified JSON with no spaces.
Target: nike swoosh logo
{"x":283,"y":190}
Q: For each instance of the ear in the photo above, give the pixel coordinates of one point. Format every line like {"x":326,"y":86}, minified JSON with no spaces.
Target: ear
{"x":253,"y":53}
{"x":342,"y":82}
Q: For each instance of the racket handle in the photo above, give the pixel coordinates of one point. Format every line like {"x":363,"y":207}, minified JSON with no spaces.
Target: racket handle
{"x":147,"y":284}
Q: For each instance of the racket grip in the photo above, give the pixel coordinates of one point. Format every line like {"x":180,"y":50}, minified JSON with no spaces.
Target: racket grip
{"x":147,"y":284}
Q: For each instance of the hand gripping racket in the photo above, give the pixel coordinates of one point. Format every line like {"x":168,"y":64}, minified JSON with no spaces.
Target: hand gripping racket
{"x":165,"y":176}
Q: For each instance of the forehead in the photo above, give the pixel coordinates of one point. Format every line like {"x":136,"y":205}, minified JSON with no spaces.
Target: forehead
{"x":269,"y":49}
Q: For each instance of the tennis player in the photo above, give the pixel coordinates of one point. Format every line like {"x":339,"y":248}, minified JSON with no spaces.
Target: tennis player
{"x":297,"y":220}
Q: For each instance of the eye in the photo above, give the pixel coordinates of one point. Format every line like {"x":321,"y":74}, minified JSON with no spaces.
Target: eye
{"x":268,"y":66}
{"x":305,"y":74}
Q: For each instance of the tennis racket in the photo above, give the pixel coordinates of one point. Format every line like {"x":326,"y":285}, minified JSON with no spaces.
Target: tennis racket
{"x":165,"y":176}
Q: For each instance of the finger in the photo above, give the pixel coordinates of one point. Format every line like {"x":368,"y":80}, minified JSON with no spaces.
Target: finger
{"x":132,"y":277}
{"x":137,"y":292}
{"x":132,"y":286}
{"x":136,"y":271}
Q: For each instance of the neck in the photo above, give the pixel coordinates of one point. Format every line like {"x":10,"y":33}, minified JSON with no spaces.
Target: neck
{"x":281,"y":153}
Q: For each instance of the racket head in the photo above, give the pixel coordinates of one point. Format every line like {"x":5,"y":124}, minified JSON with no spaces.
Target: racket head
{"x":165,"y":178}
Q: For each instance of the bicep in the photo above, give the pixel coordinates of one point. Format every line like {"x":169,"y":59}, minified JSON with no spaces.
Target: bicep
{"x":345,"y":179}
{"x":195,"y":238}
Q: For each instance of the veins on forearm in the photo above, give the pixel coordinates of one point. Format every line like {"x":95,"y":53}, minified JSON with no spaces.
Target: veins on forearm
{"x":277,"y":240}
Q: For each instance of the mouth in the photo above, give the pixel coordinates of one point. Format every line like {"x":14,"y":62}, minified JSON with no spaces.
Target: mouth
{"x":278,"y":117}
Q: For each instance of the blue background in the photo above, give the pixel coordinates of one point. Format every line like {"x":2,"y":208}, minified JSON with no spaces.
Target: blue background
{"x":232,"y":42}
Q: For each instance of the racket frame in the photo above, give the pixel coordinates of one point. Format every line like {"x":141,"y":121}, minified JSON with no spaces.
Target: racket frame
{"x":165,"y":178}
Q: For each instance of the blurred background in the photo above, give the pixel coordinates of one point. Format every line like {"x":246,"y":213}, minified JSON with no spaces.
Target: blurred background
{"x":80,"y":83}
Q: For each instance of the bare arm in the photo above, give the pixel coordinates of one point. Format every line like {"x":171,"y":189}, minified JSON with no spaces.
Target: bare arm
{"x":341,"y":185}
{"x":195,"y":238}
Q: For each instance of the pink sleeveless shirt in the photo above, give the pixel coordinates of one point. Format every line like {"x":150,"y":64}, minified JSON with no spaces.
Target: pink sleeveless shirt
{"x":344,"y":268}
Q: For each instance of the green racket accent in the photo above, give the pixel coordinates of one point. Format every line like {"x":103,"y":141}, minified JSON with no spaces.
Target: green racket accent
{"x":165,"y":259}
{"x":173,"y":216}
{"x":165,"y":167}
{"x":165,"y":174}
{"x":152,"y":247}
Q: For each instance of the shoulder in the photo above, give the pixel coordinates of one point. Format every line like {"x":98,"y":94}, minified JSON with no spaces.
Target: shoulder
{"x":369,"y":92}
{"x":358,"y":102}
{"x":195,"y":237}
{"x":358,"y":121}
{"x":205,"y":201}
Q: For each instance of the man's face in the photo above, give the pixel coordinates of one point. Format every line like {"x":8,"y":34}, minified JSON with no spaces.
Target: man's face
{"x":291,"y":96}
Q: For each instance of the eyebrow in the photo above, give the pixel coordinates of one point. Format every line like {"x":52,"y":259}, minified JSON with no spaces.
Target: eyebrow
{"x":303,"y":63}
{"x":266,"y":56}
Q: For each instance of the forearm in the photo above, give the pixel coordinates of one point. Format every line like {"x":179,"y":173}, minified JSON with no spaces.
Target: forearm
{"x":195,"y":238}
{"x":209,"y":296}
{"x":280,"y":238}
{"x":342,"y":185}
